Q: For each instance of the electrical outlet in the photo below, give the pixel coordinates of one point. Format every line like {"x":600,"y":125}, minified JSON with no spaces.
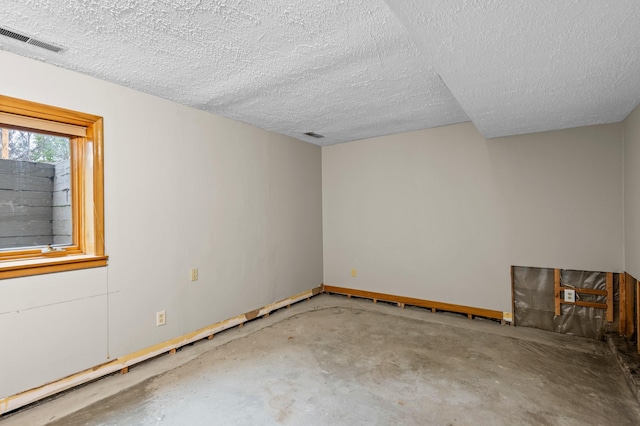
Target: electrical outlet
{"x":161,"y":318}
{"x":570,"y":296}
{"x":354,"y":273}
{"x":507,"y":316}
{"x":193,"y":274}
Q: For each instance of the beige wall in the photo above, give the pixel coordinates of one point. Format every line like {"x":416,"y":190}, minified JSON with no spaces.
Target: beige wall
{"x":183,"y":189}
{"x":438,"y":214}
{"x":442,"y":214}
{"x":632,"y":192}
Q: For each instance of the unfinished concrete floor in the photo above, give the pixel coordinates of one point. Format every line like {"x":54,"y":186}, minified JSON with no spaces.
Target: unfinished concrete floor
{"x":333,"y":360}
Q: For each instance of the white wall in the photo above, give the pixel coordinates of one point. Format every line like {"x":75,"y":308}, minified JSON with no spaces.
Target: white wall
{"x":442,"y":214}
{"x":632,"y":192}
{"x":438,"y":214}
{"x":183,"y":189}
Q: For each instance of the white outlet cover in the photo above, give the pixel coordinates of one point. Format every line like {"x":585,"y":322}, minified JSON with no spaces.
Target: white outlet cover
{"x":570,"y":296}
{"x":161,"y":318}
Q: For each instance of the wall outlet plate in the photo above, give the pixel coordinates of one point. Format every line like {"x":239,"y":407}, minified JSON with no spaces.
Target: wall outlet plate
{"x":507,"y":316}
{"x":570,"y":296}
{"x":193,"y":274}
{"x":161,"y":318}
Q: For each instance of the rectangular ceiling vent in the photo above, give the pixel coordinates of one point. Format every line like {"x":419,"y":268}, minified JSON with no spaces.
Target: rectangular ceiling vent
{"x":30,"y":40}
{"x":314,"y":135}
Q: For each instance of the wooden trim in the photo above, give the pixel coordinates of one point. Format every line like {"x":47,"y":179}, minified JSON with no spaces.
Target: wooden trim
{"x":449,"y":307}
{"x":638,"y":314}
{"x":49,"y":266}
{"x":608,"y":306}
{"x":87,"y":181}
{"x":77,"y":191}
{"x":97,"y":135}
{"x":592,"y":291}
{"x":513,"y":299}
{"x":45,"y":112}
{"x":123,"y":363}
{"x":609,"y":296}
{"x":632,"y":295}
{"x":556,"y":292}
{"x":21,"y":122}
{"x":37,"y":254}
{"x":587,"y":304}
{"x":622,"y":305}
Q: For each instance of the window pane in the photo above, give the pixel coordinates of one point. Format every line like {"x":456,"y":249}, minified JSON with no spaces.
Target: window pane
{"x":35,"y":190}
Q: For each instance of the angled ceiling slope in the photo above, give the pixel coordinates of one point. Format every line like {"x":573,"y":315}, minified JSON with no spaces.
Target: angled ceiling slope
{"x":524,"y":66}
{"x":354,"y":69}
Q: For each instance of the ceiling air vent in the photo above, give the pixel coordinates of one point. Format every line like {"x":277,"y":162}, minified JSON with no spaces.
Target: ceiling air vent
{"x":314,"y":135}
{"x":30,"y":40}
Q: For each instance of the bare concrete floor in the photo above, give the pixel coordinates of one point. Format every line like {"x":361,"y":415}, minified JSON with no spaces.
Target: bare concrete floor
{"x":334,"y":360}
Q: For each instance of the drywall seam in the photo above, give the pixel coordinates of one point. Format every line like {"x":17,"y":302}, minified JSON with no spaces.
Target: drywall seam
{"x":24,"y":398}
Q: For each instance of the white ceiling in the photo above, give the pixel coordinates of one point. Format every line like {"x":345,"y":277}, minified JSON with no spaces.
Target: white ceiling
{"x":352,"y":69}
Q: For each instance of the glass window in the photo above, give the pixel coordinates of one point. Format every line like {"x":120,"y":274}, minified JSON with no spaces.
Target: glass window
{"x":51,"y":189}
{"x":35,"y":190}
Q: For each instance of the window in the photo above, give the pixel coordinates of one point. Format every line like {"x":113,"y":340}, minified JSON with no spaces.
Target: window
{"x":35,"y":191}
{"x":51,"y":189}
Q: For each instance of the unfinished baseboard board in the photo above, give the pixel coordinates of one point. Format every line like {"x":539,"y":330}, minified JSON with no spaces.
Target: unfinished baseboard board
{"x":123,"y":363}
{"x":401,"y":301}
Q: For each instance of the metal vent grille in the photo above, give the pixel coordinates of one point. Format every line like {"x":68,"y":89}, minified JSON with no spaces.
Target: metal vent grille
{"x":30,"y":40}
{"x":314,"y":135}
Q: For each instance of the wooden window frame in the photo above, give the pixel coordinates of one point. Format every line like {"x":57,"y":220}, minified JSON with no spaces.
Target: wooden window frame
{"x":85,"y":133}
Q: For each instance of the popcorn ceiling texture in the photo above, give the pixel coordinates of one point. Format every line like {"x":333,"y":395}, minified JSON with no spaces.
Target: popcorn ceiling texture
{"x":523,"y":66}
{"x":355,"y":69}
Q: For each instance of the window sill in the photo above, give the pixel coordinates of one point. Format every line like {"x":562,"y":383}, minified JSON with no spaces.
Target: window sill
{"x":28,"y":267}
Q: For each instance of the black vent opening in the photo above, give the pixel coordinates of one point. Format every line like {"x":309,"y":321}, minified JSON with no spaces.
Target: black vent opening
{"x":314,"y":135}
{"x":8,"y":33}
{"x":30,"y":40}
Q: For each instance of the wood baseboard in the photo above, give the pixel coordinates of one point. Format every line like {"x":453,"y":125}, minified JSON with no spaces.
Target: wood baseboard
{"x":123,"y":363}
{"x":440,"y":306}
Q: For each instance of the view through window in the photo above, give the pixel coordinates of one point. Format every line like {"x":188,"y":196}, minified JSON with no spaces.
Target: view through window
{"x":35,"y":190}
{"x":51,"y":189}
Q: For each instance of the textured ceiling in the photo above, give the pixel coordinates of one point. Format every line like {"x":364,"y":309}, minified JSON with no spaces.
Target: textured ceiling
{"x":355,"y":69}
{"x":522,"y":66}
